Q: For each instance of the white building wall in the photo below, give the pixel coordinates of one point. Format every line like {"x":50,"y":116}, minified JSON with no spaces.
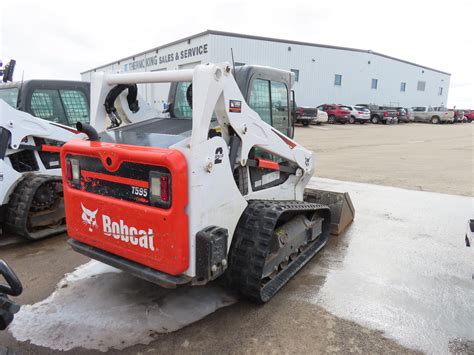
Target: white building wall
{"x":318,"y":65}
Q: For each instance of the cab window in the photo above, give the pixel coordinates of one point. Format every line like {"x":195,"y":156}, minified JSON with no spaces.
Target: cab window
{"x":10,"y":96}
{"x":61,"y":106}
{"x":181,"y":108}
{"x":279,"y":106}
{"x":270,"y":100}
{"x":46,"y":104}
{"x":75,"y":105}
{"x":259,"y":99}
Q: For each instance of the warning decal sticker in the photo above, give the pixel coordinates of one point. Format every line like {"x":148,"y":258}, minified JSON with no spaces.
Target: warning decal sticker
{"x":235,"y":106}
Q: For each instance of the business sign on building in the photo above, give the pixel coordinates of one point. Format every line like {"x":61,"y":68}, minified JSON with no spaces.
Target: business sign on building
{"x":173,"y":56}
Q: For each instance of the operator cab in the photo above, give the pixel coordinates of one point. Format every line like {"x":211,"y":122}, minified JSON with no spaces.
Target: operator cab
{"x":266,"y":90}
{"x":58,"y":101}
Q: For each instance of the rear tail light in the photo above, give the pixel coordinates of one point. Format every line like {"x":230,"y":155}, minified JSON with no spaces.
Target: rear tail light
{"x":69,"y":170}
{"x":73,"y":172}
{"x":164,"y":187}
{"x":160,"y":189}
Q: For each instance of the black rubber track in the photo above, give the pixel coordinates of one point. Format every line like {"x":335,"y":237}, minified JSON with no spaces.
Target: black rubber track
{"x":252,"y":241}
{"x":19,"y":205}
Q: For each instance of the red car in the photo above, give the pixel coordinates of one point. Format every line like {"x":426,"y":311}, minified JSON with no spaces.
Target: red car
{"x":469,"y":115}
{"x":335,"y":113}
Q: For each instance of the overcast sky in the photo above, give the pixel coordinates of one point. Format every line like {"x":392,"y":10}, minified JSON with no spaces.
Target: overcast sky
{"x":60,"y":39}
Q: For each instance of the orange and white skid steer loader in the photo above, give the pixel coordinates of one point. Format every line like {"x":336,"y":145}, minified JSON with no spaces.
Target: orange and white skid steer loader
{"x":218,"y":188}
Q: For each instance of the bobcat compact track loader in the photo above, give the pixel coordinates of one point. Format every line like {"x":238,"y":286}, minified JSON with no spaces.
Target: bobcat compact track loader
{"x":35,"y":119}
{"x":217,"y":189}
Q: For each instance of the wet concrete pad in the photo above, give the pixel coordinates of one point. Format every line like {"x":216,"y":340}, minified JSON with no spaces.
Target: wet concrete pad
{"x":402,"y":267}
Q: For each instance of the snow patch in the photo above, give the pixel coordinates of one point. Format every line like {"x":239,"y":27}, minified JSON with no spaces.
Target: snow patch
{"x":100,"y":307}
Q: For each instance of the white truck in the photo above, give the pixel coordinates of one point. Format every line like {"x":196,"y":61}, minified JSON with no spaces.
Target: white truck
{"x":431,"y":114}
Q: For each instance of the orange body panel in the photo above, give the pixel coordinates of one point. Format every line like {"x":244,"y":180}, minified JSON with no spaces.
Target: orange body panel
{"x":152,"y":236}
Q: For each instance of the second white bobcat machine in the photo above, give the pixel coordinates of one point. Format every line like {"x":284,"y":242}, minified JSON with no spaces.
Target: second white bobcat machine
{"x":36,"y":117}
{"x":31,"y":202}
{"x":217,"y":189}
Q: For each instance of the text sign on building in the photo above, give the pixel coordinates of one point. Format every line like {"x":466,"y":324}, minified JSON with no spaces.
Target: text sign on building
{"x":168,"y":58}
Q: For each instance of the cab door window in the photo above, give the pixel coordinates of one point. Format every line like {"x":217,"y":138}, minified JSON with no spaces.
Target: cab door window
{"x":47,"y":104}
{"x":75,"y":105}
{"x":61,"y":106}
{"x":259,"y":99}
{"x":279,"y":99}
{"x":270,"y":100}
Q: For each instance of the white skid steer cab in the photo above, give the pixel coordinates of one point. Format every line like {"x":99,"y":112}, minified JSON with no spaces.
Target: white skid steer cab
{"x":31,"y":201}
{"x":215,"y":190}
{"x":36,"y":118}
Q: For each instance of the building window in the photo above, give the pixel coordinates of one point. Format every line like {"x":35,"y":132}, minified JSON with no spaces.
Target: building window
{"x":297,"y":74}
{"x":440,"y":91}
{"x":337,"y":79}
{"x":421,"y":85}
{"x":375,"y":83}
{"x":403,"y":87}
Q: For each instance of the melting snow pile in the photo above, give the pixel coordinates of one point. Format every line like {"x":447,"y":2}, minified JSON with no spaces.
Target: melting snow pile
{"x":99,"y":307}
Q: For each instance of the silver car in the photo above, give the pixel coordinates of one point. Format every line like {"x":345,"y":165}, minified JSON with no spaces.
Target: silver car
{"x":358,"y":114}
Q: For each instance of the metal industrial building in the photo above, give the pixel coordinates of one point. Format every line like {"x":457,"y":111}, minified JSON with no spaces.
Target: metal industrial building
{"x":324,"y":74}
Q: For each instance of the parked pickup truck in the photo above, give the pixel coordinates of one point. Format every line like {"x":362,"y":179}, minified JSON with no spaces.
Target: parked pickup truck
{"x":305,"y":115}
{"x":380,"y":114}
{"x":434,"y":115}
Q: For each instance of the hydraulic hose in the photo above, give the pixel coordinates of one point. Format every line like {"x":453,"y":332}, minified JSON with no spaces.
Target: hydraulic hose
{"x":116,"y":91}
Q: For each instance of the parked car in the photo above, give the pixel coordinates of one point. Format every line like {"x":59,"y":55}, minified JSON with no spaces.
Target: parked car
{"x":358,"y":114}
{"x":305,"y":115}
{"x":469,"y":115}
{"x":410,"y":115}
{"x":434,"y":115}
{"x":321,"y":118}
{"x":402,"y":114}
{"x":335,"y":113}
{"x":459,"y":116}
{"x":378,"y":114}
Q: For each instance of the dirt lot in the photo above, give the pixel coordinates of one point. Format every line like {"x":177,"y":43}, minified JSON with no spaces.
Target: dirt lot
{"x":415,"y":156}
{"x":418,"y":156}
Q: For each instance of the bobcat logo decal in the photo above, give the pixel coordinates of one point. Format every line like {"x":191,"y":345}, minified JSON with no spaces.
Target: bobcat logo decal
{"x":88,"y":218}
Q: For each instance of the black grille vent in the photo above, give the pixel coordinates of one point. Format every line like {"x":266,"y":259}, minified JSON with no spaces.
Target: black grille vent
{"x":23,"y":161}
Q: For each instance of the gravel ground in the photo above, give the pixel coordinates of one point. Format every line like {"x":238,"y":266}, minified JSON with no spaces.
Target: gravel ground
{"x":438,"y":158}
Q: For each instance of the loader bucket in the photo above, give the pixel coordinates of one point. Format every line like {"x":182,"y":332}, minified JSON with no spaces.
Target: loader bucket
{"x":342,"y":209}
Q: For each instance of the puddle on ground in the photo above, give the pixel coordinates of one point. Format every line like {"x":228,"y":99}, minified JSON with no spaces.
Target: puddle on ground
{"x":402,"y":268}
{"x":100,"y":307}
